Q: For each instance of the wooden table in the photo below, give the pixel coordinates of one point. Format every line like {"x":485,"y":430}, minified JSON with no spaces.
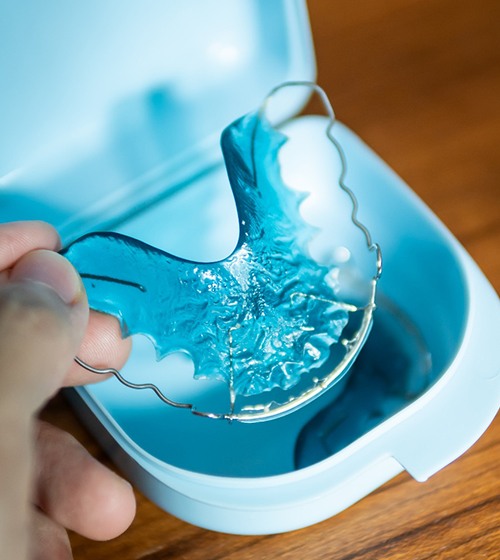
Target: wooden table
{"x":420,"y":83}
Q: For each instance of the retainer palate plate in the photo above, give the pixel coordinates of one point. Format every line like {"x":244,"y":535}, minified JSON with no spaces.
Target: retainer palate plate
{"x":266,"y":317}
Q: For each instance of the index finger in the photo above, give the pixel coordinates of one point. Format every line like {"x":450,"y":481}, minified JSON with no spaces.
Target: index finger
{"x":19,"y":238}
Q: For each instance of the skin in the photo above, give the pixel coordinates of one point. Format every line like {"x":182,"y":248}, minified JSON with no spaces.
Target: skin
{"x":49,"y":482}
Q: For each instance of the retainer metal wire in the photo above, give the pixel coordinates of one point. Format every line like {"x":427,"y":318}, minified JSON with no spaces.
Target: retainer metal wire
{"x":264,"y":412}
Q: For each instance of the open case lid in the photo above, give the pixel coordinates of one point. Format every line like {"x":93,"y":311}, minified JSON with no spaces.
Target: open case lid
{"x":120,"y":102}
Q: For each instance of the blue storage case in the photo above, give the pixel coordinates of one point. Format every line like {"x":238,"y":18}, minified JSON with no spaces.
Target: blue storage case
{"x":111,"y":114}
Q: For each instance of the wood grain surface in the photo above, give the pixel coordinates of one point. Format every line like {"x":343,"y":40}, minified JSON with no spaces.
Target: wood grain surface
{"x":419,"y":81}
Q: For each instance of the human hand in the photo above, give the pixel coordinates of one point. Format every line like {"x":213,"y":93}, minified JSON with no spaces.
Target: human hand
{"x":49,"y":483}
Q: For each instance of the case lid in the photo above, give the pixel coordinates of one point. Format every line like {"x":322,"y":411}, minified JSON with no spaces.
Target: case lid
{"x":105,"y":105}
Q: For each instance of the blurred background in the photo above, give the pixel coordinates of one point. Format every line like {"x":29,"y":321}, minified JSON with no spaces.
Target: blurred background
{"x":419,"y":81}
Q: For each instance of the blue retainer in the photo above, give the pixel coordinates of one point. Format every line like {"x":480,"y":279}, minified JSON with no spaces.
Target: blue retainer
{"x":257,"y":319}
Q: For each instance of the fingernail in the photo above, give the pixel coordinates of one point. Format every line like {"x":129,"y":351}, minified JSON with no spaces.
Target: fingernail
{"x":53,"y":270}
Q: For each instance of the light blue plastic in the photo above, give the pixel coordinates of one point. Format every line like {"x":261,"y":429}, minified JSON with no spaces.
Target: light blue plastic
{"x":125,"y":102}
{"x":108,"y":160}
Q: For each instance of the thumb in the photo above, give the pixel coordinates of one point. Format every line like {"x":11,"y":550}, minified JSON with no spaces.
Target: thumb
{"x":43,"y":317}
